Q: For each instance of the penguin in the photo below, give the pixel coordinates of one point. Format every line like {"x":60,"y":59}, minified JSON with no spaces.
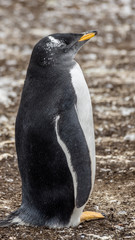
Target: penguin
{"x":54,"y":137}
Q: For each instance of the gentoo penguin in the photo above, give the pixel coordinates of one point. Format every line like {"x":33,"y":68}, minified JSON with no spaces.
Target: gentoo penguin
{"x":55,"y":137}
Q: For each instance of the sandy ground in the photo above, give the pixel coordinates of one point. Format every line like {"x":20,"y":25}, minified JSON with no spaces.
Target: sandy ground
{"x":108,"y":63}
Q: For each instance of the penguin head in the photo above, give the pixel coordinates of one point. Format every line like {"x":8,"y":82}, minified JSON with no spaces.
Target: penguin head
{"x":59,"y":48}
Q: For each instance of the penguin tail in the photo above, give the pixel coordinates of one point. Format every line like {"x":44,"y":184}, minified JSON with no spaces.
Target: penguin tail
{"x":13,"y":218}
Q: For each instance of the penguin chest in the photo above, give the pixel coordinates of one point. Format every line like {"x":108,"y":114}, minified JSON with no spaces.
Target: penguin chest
{"x":84,"y":111}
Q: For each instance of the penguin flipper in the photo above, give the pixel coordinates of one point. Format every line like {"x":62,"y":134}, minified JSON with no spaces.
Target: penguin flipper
{"x":88,"y":215}
{"x":73,"y":138}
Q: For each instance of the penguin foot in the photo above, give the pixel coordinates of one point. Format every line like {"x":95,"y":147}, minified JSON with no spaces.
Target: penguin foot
{"x":87,"y":216}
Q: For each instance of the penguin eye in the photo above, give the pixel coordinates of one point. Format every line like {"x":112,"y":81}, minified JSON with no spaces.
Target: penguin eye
{"x":65,"y":41}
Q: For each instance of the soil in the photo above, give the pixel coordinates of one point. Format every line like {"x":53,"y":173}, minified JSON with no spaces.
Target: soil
{"x":108,"y":63}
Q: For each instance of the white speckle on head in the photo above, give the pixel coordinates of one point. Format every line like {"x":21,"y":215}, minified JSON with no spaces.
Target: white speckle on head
{"x":54,"y":40}
{"x":54,"y":43}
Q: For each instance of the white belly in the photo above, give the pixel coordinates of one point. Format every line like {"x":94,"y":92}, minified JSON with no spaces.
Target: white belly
{"x":84,"y":112}
{"x":85,"y":116}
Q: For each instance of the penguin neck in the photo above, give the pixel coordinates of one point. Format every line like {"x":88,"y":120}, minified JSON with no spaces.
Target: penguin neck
{"x":52,"y":66}
{"x":47,"y":72}
{"x":65,"y":64}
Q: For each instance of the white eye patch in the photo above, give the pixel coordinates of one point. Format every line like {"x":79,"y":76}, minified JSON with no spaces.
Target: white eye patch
{"x":54,"y":42}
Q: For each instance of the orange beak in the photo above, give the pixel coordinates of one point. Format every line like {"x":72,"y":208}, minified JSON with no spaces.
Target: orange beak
{"x":87,"y":36}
